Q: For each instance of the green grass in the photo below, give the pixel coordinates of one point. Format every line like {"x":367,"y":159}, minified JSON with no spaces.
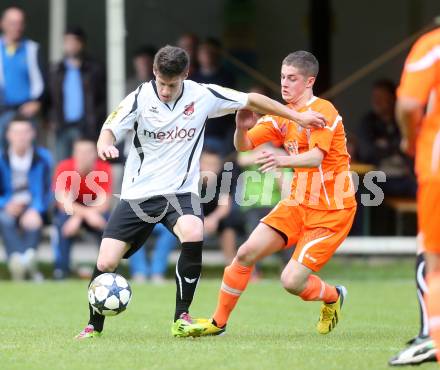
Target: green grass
{"x":270,"y":329}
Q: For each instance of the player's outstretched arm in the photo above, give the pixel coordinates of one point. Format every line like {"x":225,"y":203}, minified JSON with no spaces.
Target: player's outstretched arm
{"x":310,"y":159}
{"x":106,"y":145}
{"x":262,"y":104}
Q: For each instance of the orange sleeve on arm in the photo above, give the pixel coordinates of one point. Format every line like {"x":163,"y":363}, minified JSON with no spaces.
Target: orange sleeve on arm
{"x":419,"y":73}
{"x":322,"y":138}
{"x":266,"y":130}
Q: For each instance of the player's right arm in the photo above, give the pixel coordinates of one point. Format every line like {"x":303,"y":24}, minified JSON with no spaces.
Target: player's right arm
{"x":244,"y":120}
{"x":106,"y":145}
{"x":417,"y":81}
{"x":117,"y":124}
{"x":248,"y":137}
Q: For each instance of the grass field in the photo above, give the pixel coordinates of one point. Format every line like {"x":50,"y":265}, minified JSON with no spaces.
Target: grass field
{"x":269,"y":329}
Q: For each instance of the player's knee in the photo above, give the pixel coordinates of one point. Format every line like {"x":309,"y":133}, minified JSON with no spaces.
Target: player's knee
{"x":293,"y":283}
{"x":245,"y":255}
{"x":106,"y":264}
{"x":189,"y":228}
{"x":192,"y":235}
{"x":190,"y":231}
{"x":432,"y":263}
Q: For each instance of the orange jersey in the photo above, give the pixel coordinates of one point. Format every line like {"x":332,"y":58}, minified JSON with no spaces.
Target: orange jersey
{"x":329,"y":186}
{"x":421,"y":82}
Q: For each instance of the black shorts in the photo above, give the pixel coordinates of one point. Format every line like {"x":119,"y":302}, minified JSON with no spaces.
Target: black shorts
{"x":132,"y":221}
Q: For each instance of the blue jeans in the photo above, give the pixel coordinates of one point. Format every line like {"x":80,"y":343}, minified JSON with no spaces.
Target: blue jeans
{"x":15,"y":238}
{"x":5,"y":118}
{"x":62,"y":245}
{"x":65,"y":138}
{"x":165,"y":243}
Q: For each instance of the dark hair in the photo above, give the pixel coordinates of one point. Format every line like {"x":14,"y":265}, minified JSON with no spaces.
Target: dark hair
{"x":19,"y":118}
{"x":145,"y":50}
{"x":304,"y":61}
{"x":385,"y":84}
{"x":84,"y":139}
{"x":78,"y":32}
{"x":213,"y":42}
{"x":171,"y":61}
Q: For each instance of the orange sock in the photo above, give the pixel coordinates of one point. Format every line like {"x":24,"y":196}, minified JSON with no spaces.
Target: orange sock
{"x":235,"y":280}
{"x":433,"y":301}
{"x":318,"y":290}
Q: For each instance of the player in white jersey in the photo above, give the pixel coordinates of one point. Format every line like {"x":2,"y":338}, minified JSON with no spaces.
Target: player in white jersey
{"x":167,"y":117}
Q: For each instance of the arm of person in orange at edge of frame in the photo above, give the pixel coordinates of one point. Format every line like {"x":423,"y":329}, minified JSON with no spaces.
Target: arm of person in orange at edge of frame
{"x":409,"y":114}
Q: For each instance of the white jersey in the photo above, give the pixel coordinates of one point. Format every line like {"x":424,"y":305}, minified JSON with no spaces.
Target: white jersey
{"x":168,"y":138}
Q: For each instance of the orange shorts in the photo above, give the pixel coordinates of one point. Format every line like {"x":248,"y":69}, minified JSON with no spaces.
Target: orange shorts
{"x":428,"y":207}
{"x":316,"y":233}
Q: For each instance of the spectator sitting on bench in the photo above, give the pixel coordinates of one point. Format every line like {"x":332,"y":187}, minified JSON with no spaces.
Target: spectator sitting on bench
{"x":379,"y":142}
{"x":82,"y":186}
{"x":222,"y":215}
{"x":25,"y":172}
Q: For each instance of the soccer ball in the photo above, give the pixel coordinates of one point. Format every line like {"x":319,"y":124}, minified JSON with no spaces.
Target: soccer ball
{"x":109,"y":294}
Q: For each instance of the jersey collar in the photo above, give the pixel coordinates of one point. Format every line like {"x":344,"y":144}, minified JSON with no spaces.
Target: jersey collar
{"x":153,"y":83}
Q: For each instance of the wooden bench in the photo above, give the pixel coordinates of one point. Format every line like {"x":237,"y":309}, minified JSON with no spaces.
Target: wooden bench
{"x":401,"y":206}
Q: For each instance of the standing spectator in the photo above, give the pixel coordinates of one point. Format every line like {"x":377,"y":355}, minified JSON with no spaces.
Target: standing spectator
{"x":143,"y":72}
{"x":21,"y":77}
{"x":211,"y":67}
{"x":379,"y":142}
{"x":218,"y":131}
{"x":143,"y":67}
{"x":82,"y":186}
{"x":25,"y":172}
{"x":190,"y":43}
{"x":78,"y":94}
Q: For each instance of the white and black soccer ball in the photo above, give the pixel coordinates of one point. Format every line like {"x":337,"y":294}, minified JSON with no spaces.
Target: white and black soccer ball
{"x":109,"y":294}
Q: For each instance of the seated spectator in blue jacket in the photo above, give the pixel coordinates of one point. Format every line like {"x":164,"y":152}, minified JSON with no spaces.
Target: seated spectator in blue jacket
{"x":25,"y":172}
{"x":21,"y":78}
{"x":83,"y":191}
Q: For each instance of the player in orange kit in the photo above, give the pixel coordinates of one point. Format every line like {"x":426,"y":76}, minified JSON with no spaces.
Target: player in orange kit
{"x":418,"y":113}
{"x":318,"y":215}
